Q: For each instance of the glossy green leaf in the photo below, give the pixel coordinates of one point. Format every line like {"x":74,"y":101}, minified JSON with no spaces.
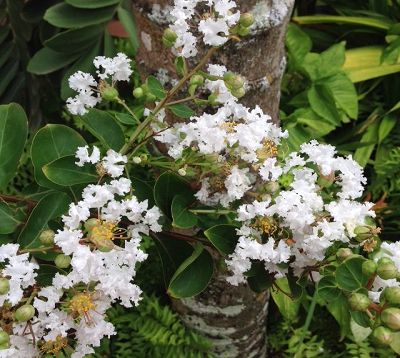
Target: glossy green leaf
{"x":65,"y":172}
{"x":66,"y":16}
{"x":78,"y":40}
{"x":363,"y":154}
{"x":13,"y":134}
{"x":167,"y":186}
{"x":223,"y":237}
{"x":50,"y":143}
{"x":92,"y":4}
{"x":7,"y":75}
{"x":193,"y":275}
{"x":259,"y":280}
{"x":349,"y":274}
{"x":50,"y":207}
{"x":332,"y":60}
{"x":46,"y":273}
{"x":155,"y":87}
{"x":287,"y":306}
{"x":8,"y":221}
{"x":385,"y":127}
{"x":126,"y":18}
{"x":181,"y":110}
{"x":105,"y":128}
{"x":47,"y":60}
{"x":328,"y":288}
{"x":182,"y":217}
{"x":322,"y":102}
{"x":396,"y":342}
{"x":143,"y":190}
{"x":298,"y":43}
{"x":340,"y":310}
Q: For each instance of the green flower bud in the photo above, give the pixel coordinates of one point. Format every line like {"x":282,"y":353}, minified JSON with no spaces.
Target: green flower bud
{"x":233,"y":81}
{"x":391,"y":318}
{"x":91,"y":223}
{"x":369,"y":267}
{"x":238,"y":93}
{"x":359,"y":302}
{"x":382,"y":335}
{"x":62,"y":261}
{"x":385,"y":260}
{"x":46,"y":237}
{"x":243,"y":31}
{"x":344,"y":253}
{"x":212,"y":99}
{"x":197,"y":80}
{"x":387,"y":271}
{"x":150,"y":97}
{"x":4,"y":338}
{"x":246,"y":19}
{"x":138,"y":92}
{"x":110,"y":94}
{"x":392,"y":295}
{"x":169,"y":38}
{"x":4,"y":286}
{"x":24,"y":313}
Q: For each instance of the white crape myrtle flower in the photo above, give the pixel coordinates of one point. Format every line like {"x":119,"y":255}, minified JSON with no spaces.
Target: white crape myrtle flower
{"x":88,"y":95}
{"x":20,"y":347}
{"x":19,"y":271}
{"x":270,"y":171}
{"x":114,"y":162}
{"x":83,"y":156}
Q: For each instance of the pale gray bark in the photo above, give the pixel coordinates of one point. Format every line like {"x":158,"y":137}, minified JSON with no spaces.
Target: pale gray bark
{"x":233,"y":317}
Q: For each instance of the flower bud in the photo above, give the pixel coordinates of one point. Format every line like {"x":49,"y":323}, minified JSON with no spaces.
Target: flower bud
{"x":182,"y":172}
{"x":385,"y":260}
{"x":246,"y":19}
{"x":4,"y":337}
{"x":62,"y":261}
{"x":91,"y":223}
{"x":243,"y":31}
{"x":46,"y":237}
{"x":344,"y":253}
{"x":136,"y":160}
{"x":4,"y":286}
{"x":109,"y":94}
{"x":138,"y":92}
{"x":382,"y":335}
{"x":169,"y":38}
{"x":362,"y":233}
{"x":233,"y":81}
{"x":392,"y":295}
{"x":213,"y":99}
{"x":359,"y":302}
{"x":197,"y":80}
{"x":391,"y":318}
{"x":369,"y":267}
{"x":24,"y":313}
{"x":150,"y":97}
{"x":238,"y":93}
{"x":387,"y":271}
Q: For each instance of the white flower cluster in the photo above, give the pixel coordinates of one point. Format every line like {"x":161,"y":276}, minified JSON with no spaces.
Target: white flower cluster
{"x":300,"y":223}
{"x":104,"y":252}
{"x":112,"y":69}
{"x":215,"y":27}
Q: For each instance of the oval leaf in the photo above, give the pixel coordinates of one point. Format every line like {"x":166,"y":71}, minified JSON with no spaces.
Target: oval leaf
{"x":349,"y":274}
{"x":181,"y":110}
{"x":8,"y":221}
{"x":223,"y":237}
{"x":47,"y":60}
{"x":91,"y":4}
{"x":182,"y":217}
{"x":155,"y":87}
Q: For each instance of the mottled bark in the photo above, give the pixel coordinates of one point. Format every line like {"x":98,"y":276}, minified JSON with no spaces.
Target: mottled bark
{"x":233,"y":317}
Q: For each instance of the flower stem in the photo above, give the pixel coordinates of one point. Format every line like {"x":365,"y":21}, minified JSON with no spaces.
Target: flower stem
{"x":123,"y":104}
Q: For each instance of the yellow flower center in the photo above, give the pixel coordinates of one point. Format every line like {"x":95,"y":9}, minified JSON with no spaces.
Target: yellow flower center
{"x":266,"y":225}
{"x":81,"y":304}
{"x":103,"y":231}
{"x":53,"y":347}
{"x":268,"y":150}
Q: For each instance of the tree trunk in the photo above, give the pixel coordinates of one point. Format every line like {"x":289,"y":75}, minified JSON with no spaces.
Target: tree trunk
{"x":232,"y":317}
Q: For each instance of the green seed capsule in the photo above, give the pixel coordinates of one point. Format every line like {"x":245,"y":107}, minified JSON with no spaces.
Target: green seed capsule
{"x":138,"y":92}
{"x":4,"y":338}
{"x":392,"y":295}
{"x":359,"y":302}
{"x":24,"y":313}
{"x":46,"y":237}
{"x":4,"y":286}
{"x":91,"y":223}
{"x":110,"y":94}
{"x":387,"y":271}
{"x":369,"y":267}
{"x":391,"y":318}
{"x":238,"y":93}
{"x":197,"y":80}
{"x":62,"y":261}
{"x":246,"y":19}
{"x":383,"y":335}
{"x":169,"y":38}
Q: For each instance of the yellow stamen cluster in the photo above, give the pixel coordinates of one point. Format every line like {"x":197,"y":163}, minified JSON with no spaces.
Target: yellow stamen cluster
{"x":267,"y":225}
{"x":103,"y":231}
{"x":229,"y":127}
{"x":81,"y":304}
{"x":54,"y":346}
{"x":370,"y":245}
{"x":100,"y":170}
{"x":268,"y":150}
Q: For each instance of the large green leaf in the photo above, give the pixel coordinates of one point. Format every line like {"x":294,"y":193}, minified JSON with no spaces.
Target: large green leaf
{"x":66,"y":16}
{"x":298,"y":43}
{"x":8,"y":221}
{"x":46,"y":274}
{"x":126,"y":18}
{"x":47,"y":60}
{"x":77,"y":39}
{"x":322,"y":102}
{"x":332,"y":60}
{"x":169,"y":185}
{"x":349,"y":275}
{"x":155,"y":87}
{"x":92,"y":4}
{"x":13,"y":133}
{"x":182,"y":217}
{"x":182,"y":111}
{"x":340,"y":310}
{"x":50,"y":207}
{"x":65,"y":172}
{"x":193,"y":275}
{"x":50,"y":143}
{"x":105,"y":128}
{"x":288,"y":307}
{"x":258,"y":278}
{"x":371,"y":136}
{"x":328,"y":288}
{"x":223,"y":237}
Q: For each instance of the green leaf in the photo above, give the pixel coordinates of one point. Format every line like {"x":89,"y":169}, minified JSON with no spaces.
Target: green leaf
{"x":8,"y":221}
{"x":50,"y":143}
{"x":322,"y":102}
{"x":298,"y":43}
{"x":78,"y":40}
{"x":127,"y":21}
{"x":332,"y":60}
{"x":46,"y":274}
{"x":193,"y":275}
{"x":396,"y":342}
{"x":361,"y":318}
{"x":223,"y":237}
{"x":143,"y":190}
{"x":317,"y":126}
{"x":50,"y":207}
{"x":349,"y":274}
{"x":13,"y":134}
{"x":65,"y":172}
{"x":259,"y":279}
{"x":181,"y":110}
{"x":155,"y":87}
{"x":182,"y":217}
{"x":288,"y":307}
{"x":363,"y":154}
{"x":328,"y":288}
{"x":387,"y":124}
{"x":167,"y":186}
{"x":7,"y":75}
{"x":105,"y":128}
{"x":46,"y":61}
{"x":91,"y":4}
{"x":340,"y":310}
{"x":66,"y":16}
{"x":344,"y":93}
